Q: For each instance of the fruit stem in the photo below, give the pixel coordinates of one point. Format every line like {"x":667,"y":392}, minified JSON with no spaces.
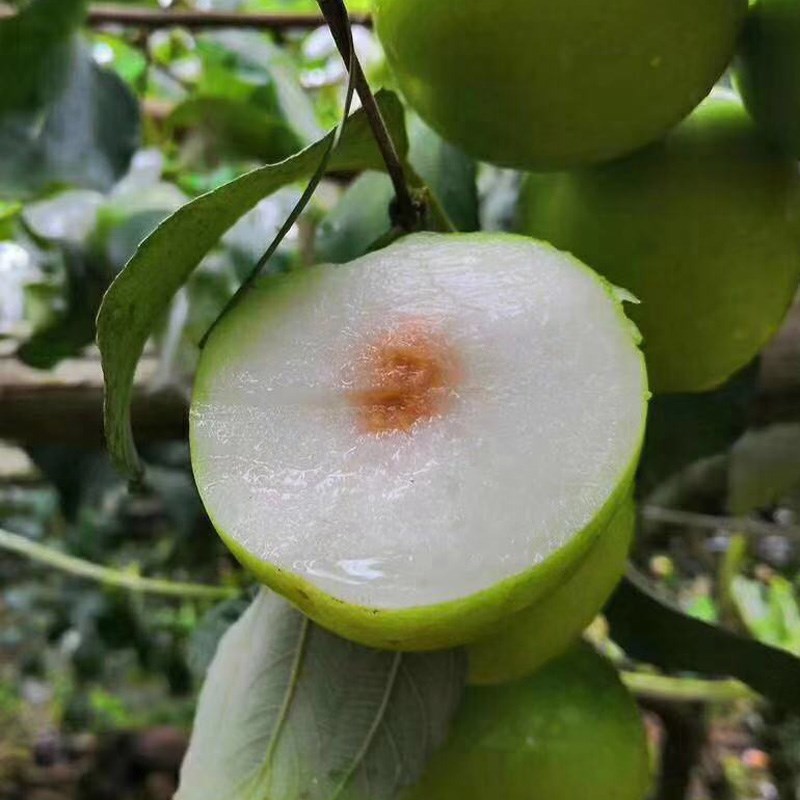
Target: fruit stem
{"x":407,"y":212}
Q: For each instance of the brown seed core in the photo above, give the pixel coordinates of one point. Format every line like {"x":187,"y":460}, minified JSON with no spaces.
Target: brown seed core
{"x":409,"y":376}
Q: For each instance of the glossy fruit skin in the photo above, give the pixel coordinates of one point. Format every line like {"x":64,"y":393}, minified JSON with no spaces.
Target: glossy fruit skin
{"x":570,"y":732}
{"x":550,"y":84}
{"x":523,"y":643}
{"x":768,"y":70}
{"x":703,"y":228}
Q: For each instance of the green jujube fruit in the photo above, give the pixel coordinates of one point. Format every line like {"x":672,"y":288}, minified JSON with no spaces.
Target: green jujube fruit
{"x":571,"y":731}
{"x":703,"y":228}
{"x":551,"y":84}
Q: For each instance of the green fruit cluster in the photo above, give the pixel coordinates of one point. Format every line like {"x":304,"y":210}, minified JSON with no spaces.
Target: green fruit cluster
{"x":375,"y":440}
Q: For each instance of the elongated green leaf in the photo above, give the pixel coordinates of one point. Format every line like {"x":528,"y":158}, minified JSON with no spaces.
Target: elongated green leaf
{"x":34,"y":47}
{"x":652,"y":629}
{"x":292,"y":712}
{"x":143,"y":290}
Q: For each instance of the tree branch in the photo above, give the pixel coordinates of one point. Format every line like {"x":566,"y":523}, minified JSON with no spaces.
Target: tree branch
{"x":102,"y":15}
{"x":65,"y":405}
{"x":22,"y":546}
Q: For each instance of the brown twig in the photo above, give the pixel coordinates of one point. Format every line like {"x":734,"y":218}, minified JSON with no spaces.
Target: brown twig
{"x":407,"y":212}
{"x":102,"y":15}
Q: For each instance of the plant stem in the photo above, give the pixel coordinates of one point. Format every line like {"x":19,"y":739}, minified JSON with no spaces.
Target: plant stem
{"x":147,"y":18}
{"x":408,"y":213}
{"x":751,"y":527}
{"x":686,"y":690}
{"x":107,"y":576}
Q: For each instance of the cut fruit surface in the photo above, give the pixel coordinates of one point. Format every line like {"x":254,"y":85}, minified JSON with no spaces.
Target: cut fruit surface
{"x":415,"y":444}
{"x":525,"y":641}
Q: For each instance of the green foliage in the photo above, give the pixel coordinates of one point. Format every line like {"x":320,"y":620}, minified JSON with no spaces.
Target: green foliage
{"x":34,"y":52}
{"x":277,"y":681}
{"x":652,"y":629}
{"x":85,"y":136}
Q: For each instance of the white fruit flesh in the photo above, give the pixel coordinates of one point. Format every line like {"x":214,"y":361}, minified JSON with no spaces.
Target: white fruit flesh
{"x":519,"y":410}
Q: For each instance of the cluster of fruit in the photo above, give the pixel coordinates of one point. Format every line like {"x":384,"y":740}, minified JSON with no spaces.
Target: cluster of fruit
{"x":435,"y":445}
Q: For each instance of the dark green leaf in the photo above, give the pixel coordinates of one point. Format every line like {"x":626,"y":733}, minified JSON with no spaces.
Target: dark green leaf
{"x":140,"y":295}
{"x":292,"y":712}
{"x":359,"y":219}
{"x":683,"y":428}
{"x":652,"y":629}
{"x":237,"y":128}
{"x":83,"y":137}
{"x":34,"y":52}
{"x":73,"y":327}
{"x":207,"y":635}
{"x":447,"y":171}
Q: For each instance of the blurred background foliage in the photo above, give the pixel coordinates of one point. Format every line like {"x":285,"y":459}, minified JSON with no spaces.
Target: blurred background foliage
{"x":114,"y":128}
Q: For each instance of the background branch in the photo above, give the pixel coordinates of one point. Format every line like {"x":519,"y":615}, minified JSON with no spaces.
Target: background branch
{"x":63,"y":562}
{"x":102,"y":15}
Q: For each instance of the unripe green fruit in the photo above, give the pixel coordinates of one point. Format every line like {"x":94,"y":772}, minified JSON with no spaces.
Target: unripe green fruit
{"x":768,"y":70}
{"x":526,"y":641}
{"x":703,"y":228}
{"x":570,"y":732}
{"x":550,"y":84}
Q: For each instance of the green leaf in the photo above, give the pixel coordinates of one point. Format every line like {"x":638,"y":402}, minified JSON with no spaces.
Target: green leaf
{"x":255,"y":53}
{"x":652,"y":629}
{"x":34,"y":49}
{"x":208,"y":634}
{"x":764,"y":468}
{"x":292,"y":712}
{"x":359,"y":219}
{"x":237,"y":128}
{"x":84,"y":137}
{"x":142,"y":292}
{"x":683,"y":428}
{"x":447,"y":171}
{"x":73,"y":327}
{"x":770,"y":611}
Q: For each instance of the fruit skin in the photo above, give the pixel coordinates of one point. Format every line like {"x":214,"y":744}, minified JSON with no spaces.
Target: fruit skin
{"x":523,"y":643}
{"x":550,"y":84}
{"x":570,"y":732}
{"x":768,"y":70}
{"x":442,"y":625}
{"x":703,"y":228}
